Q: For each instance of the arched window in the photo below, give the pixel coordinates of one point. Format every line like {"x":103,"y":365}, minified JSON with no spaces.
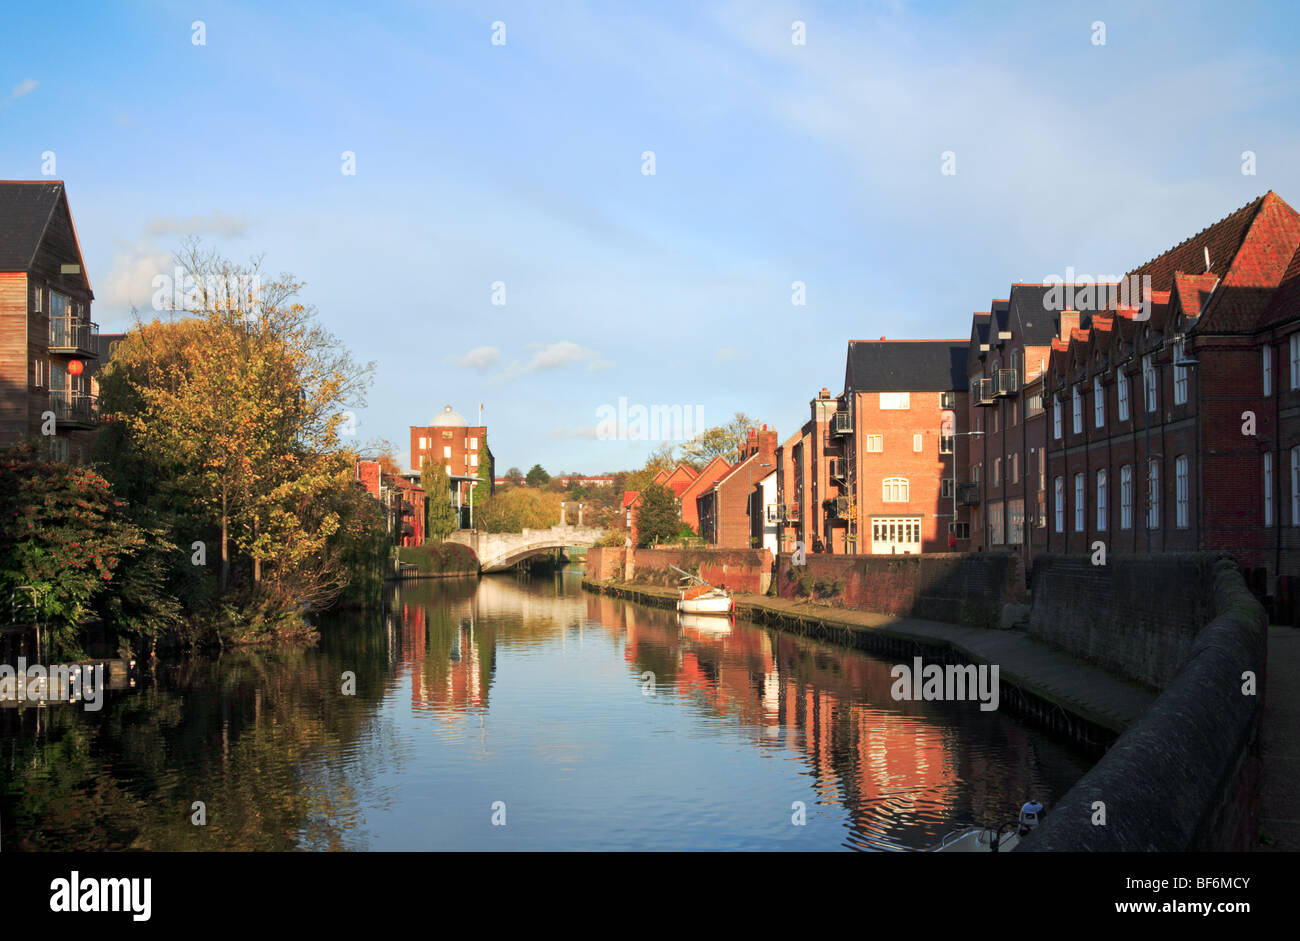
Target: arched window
{"x":895,"y":490}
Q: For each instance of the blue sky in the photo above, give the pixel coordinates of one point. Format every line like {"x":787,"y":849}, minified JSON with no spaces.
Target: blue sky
{"x":522,"y":163}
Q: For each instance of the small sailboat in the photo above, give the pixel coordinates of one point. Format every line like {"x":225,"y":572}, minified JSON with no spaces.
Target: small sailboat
{"x":999,"y":839}
{"x":701,"y":597}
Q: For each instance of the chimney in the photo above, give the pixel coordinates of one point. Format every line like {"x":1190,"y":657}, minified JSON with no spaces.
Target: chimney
{"x":767,"y":448}
{"x":1069,"y":321}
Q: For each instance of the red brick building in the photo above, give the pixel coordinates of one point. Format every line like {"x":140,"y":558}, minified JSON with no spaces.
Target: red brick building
{"x":47,"y":339}
{"x":704,"y":480}
{"x":402,"y":499}
{"x":724,"y":508}
{"x":462,"y":450}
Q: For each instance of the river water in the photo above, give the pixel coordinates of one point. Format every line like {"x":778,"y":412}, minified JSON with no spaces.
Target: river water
{"x":519,"y":713}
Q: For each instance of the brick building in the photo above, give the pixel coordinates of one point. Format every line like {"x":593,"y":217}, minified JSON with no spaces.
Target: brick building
{"x":724,"y":508}
{"x":462,"y":450}
{"x":704,"y":480}
{"x":47,"y":339}
{"x":1182,"y":431}
{"x":403,"y":502}
{"x":806,"y":468}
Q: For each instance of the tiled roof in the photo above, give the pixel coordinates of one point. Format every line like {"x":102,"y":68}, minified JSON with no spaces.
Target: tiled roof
{"x":1192,"y":290}
{"x":1243,"y":296}
{"x":906,"y":365}
{"x":25,"y":210}
{"x":1223,"y":239}
{"x":1285,"y":304}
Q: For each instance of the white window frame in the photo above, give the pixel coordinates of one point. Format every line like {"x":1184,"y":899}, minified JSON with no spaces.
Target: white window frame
{"x":895,"y":490}
{"x":446,"y":452}
{"x":879,"y":444}
{"x":1153,"y":494}
{"x":1121,"y":393}
{"x":1266,"y":368}
{"x":1268,"y":488}
{"x":1060,"y":504}
{"x":1079,"y":502}
{"x":1126,"y":497}
{"x":1076,"y":408}
{"x":1015,"y":522}
{"x":1181,"y":500}
{"x":1180,"y":375}
{"x":1149,"y":382}
{"x":895,"y":400}
{"x":918,"y":443}
{"x":1102,"y":500}
{"x":1098,"y":403}
{"x":1056,"y":416}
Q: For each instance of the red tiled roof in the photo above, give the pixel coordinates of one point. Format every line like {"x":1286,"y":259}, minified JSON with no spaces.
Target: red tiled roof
{"x":1192,"y":290}
{"x":1285,"y":304}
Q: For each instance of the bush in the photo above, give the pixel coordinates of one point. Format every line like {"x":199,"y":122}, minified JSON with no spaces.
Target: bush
{"x":444,"y":558}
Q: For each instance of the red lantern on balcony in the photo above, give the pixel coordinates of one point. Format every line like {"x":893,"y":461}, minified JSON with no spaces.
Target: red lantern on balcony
{"x":76,"y":367}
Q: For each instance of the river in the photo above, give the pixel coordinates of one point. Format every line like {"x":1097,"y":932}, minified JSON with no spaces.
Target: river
{"x":519,"y":713}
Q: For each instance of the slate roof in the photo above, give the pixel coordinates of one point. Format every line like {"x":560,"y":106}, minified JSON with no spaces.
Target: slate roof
{"x":25,"y":211}
{"x":906,"y":365}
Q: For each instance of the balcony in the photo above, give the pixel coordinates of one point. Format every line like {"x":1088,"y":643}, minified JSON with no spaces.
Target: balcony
{"x":982,"y":392}
{"x":968,"y":494}
{"x":837,"y":469}
{"x":1005,"y":382}
{"x":790,"y":512}
{"x":72,"y":336}
{"x":841,"y":423}
{"x":837,"y":507}
{"x":74,"y":409}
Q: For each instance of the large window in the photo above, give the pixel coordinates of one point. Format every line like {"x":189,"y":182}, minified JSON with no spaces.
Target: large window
{"x":895,"y":490}
{"x":1076,"y":408}
{"x":1056,"y":416}
{"x":997,"y":472}
{"x":1149,"y":382}
{"x":1295,"y":361}
{"x":1015,"y":522}
{"x":1060,"y":504}
{"x":1180,"y":490}
{"x":1013,"y":466}
{"x":1268,"y":488}
{"x":996,"y":535}
{"x":1266,"y":368}
{"x":890,"y":400}
{"x":1180,"y":374}
{"x":895,"y":534}
{"x":1153,"y":494}
{"x":1098,"y":403}
{"x":1102,"y":503}
{"x":1078,"y":503}
{"x":1121,"y":393}
{"x":1126,"y":497}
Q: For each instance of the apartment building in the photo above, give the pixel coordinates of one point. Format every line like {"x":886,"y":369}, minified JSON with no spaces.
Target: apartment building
{"x":47,"y":339}
{"x":462,"y":450}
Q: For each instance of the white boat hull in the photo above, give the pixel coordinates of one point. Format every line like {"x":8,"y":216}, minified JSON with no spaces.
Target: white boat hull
{"x":705,"y":605}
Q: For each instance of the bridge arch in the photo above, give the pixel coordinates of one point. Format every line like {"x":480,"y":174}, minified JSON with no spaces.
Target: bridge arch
{"x":498,"y":552}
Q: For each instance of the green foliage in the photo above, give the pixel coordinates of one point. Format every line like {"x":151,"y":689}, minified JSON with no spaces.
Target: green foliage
{"x":511,"y":510}
{"x":440,"y":517}
{"x":719,"y":441}
{"x":657,"y":518}
{"x":537,"y":476}
{"x":441,"y":559}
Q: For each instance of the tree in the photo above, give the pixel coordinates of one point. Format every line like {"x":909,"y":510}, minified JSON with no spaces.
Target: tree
{"x":724,"y":441}
{"x":516,"y":509}
{"x":657,"y":516}
{"x":440,"y":517}
{"x":514,"y":475}
{"x":537,"y":476}
{"x":660,"y":459}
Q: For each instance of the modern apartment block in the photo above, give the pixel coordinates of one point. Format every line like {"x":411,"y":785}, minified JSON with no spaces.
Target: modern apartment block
{"x":47,"y":339}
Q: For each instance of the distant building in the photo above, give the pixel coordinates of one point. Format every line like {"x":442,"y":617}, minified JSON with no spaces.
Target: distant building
{"x":47,"y":339}
{"x":462,"y":450}
{"x":725,"y":508}
{"x":403,"y":502}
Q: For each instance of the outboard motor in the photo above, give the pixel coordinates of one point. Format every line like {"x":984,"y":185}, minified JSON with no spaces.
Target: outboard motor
{"x":1029,"y":815}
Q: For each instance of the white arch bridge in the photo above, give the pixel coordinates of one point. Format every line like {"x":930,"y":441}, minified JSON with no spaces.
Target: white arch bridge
{"x":499,"y":551}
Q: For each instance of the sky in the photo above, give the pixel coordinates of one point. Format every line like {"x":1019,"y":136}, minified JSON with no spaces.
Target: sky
{"x":501,"y":153}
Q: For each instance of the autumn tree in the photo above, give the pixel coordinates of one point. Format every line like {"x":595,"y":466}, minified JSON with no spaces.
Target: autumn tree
{"x":726,"y":441}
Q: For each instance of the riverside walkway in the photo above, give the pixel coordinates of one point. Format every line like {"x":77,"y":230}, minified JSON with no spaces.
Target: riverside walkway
{"x":1084,"y":690}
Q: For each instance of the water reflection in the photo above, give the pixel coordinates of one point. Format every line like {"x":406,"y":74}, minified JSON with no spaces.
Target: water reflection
{"x":598,"y":724}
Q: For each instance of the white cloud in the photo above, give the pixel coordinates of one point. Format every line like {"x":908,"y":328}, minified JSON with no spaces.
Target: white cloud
{"x":728,"y":353}
{"x":25,"y":87}
{"x":214,"y":223}
{"x":585,"y":431}
{"x":480,"y":359}
{"x":130,"y":280}
{"x":559,"y":355}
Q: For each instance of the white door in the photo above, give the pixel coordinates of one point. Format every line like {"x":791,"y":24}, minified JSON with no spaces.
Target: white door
{"x":895,"y":535}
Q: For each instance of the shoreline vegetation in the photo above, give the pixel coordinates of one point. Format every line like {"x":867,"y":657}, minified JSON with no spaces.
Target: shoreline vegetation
{"x":219,"y":507}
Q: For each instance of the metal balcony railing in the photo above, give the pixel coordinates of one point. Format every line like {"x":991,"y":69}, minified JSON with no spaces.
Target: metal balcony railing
{"x":841,"y":423}
{"x":74,"y":408}
{"x":69,"y":335}
{"x":982,"y":390}
{"x":968,"y":494}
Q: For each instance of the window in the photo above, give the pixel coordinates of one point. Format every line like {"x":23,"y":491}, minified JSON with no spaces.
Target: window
{"x":945,"y":444}
{"x":1078,"y":503}
{"x":946,"y":487}
{"x":996,"y":536}
{"x":1180,"y":489}
{"x":1103,"y":504}
{"x":1013,"y":464}
{"x":1149,"y":382}
{"x":993,"y":417}
{"x":1060,"y":504}
{"x":960,"y":530}
{"x":1295,"y":486}
{"x":917,"y":443}
{"x":1268,"y":488}
{"x":1076,"y":408}
{"x":473,"y":444}
{"x":1126,"y":497}
{"x":997,"y":472}
{"x":36,"y":298}
{"x":895,"y":534}
{"x":1121,"y":391}
{"x":1034,"y":405}
{"x":1266,"y":368}
{"x":895,"y":490}
{"x":447,"y":468}
{"x":1042,"y":469}
{"x":1015,"y":522}
{"x":473,"y":460}
{"x":1056,"y":416}
{"x":975,"y":473}
{"x":1180,"y":374}
{"x":446,"y":451}
{"x":421,"y":464}
{"x":1153,"y":494}
{"x":1098,"y":403}
{"x":895,"y":400}
{"x":1295,"y":361}
{"x":424,"y":443}
{"x":875,"y":443}
{"x":38,"y":373}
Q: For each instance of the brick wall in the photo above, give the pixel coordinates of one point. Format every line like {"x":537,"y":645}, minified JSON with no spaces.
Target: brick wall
{"x":746,"y":570}
{"x":967,"y":588}
{"x":1136,"y":616}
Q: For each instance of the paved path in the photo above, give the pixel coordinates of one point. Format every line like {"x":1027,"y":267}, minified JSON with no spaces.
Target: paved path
{"x":1085,"y":690}
{"x":1279,"y":794}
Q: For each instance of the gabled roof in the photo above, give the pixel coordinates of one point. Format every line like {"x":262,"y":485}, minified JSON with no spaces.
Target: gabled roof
{"x":1285,"y":304}
{"x":906,"y":365}
{"x":1223,"y":239}
{"x":712,"y":471}
{"x":26,"y":208}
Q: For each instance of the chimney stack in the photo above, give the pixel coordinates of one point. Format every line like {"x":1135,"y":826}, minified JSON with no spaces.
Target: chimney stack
{"x":1069,"y":321}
